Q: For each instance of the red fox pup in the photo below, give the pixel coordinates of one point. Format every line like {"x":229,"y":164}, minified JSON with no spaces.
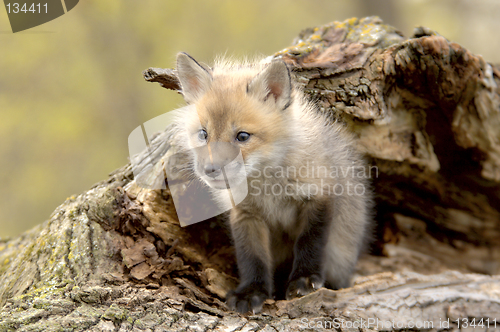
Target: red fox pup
{"x":307,"y":213}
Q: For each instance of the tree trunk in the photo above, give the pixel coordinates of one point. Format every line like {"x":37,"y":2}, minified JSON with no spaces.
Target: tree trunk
{"x":427,"y":113}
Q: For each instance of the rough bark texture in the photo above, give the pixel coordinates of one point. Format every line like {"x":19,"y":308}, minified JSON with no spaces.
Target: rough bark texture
{"x":427,"y":113}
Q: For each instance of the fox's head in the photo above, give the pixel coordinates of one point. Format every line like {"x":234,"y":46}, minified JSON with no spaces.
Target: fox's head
{"x":237,"y":109}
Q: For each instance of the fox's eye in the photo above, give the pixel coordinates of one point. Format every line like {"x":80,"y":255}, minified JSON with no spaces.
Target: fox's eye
{"x":202,"y":135}
{"x":242,"y":136}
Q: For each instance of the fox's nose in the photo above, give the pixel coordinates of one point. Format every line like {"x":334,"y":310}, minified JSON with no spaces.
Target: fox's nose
{"x":213,"y":170}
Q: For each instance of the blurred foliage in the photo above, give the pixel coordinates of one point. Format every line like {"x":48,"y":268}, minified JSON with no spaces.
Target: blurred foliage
{"x":71,"y":90}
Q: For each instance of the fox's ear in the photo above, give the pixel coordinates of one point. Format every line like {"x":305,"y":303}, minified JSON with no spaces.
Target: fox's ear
{"x":274,"y":81}
{"x":195,"y":79}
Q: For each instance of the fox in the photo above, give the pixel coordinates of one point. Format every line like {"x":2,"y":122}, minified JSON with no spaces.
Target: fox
{"x":307,"y":213}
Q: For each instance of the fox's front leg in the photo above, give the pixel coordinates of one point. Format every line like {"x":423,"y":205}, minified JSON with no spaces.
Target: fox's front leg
{"x":251,"y":239}
{"x":308,"y":271}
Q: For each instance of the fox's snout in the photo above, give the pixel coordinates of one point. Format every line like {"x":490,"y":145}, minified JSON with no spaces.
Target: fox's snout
{"x":212,"y":170}
{"x":215,"y":159}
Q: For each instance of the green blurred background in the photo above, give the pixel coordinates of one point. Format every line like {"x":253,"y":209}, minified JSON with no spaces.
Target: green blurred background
{"x":71,"y":90}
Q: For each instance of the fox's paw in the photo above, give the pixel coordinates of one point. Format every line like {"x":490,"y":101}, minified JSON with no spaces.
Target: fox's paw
{"x":303,"y":286}
{"x":249,"y":298}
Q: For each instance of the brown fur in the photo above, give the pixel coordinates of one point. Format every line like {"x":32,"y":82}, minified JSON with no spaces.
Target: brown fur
{"x":306,"y":236}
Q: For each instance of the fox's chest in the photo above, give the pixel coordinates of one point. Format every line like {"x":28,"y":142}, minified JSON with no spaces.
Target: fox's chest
{"x":277,"y":211}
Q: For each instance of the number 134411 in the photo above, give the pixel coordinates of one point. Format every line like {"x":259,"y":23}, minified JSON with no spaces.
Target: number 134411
{"x":23,"y":8}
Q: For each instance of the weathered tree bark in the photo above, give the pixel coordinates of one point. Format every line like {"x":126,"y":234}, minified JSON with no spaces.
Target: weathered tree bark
{"x":427,"y":113}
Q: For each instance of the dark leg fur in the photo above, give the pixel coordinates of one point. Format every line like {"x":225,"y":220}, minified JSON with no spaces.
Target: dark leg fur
{"x":308,"y":265}
{"x":251,"y":239}
{"x":253,"y":290}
